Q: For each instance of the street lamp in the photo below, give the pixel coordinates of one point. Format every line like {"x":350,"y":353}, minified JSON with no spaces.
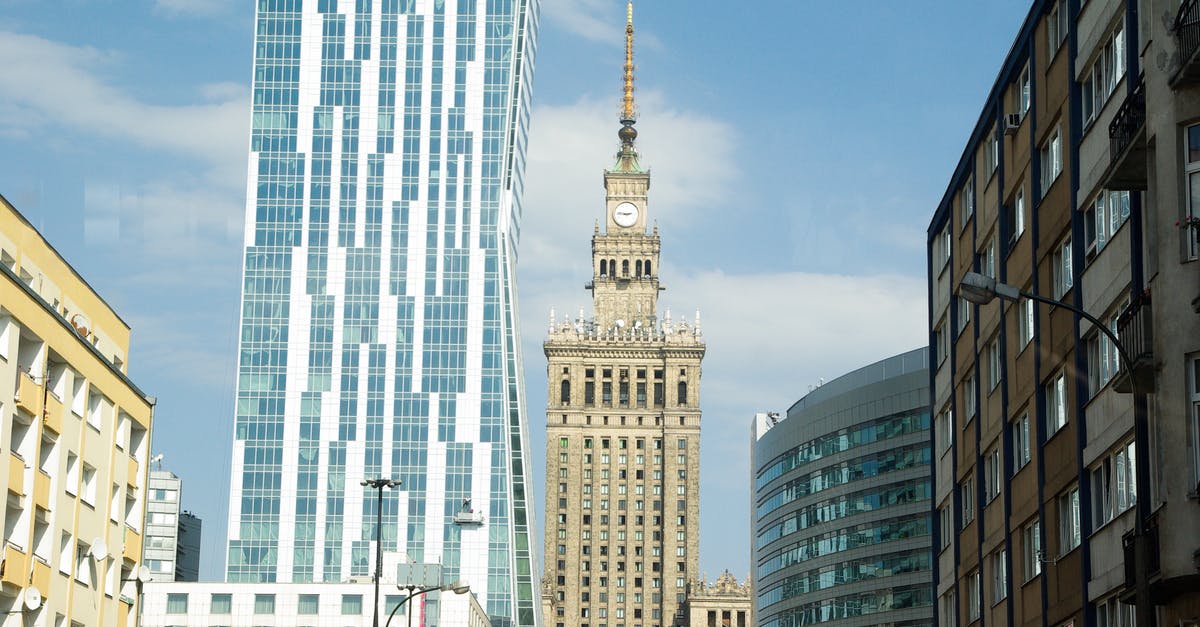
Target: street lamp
{"x":980,"y":289}
{"x":378,"y":485}
{"x":457,"y":587}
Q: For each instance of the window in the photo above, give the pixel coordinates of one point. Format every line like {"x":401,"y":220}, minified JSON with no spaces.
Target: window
{"x":1032,"y":546}
{"x":946,"y":524}
{"x":1112,"y":613}
{"x":942,"y":246}
{"x":1020,"y":440}
{"x":352,"y":605}
{"x":72,"y":486}
{"x":1056,"y":404}
{"x":264,"y":604}
{"x":999,"y":576}
{"x":177,"y":603}
{"x":65,"y":544}
{"x":1024,"y":95}
{"x":992,"y":156}
{"x":1068,"y":521}
{"x":1102,"y":217}
{"x":987,"y":261}
{"x":1025,"y":322}
{"x":1193,"y":364}
{"x":945,"y":429}
{"x":949,"y":606}
{"x":967,"y":202}
{"x":222,"y":604}
{"x":969,"y":397}
{"x":973,"y":592}
{"x":1114,"y":484}
{"x":1100,"y":80}
{"x":1192,"y":172}
{"x":1052,"y":159}
{"x":1017,"y":217}
{"x":1103,"y":359}
{"x":964,"y":313}
{"x":941,"y":339}
{"x":1063,"y":271}
{"x":1056,"y":26}
{"x":83,"y":569}
{"x":995,"y":364}
{"x":992,"y":475}
{"x":966,"y":496}
{"x":89,"y":484}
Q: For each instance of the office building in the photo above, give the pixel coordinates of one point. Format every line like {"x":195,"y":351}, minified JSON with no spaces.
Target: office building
{"x":379,"y":332}
{"x":74,"y":430}
{"x":623,"y":425}
{"x":1058,"y":463}
{"x":172,"y":547}
{"x":841,"y":502}
{"x":302,"y":605}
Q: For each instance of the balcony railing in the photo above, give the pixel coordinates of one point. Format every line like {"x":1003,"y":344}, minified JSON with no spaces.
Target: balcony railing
{"x":1127,"y":142}
{"x":1187,"y":39}
{"x":1135,"y":329}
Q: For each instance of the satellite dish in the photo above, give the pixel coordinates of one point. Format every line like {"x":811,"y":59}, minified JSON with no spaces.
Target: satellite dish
{"x":620,"y":323}
{"x":99,"y":549}
{"x":143,"y":574}
{"x":81,"y":324}
{"x":32,"y":598}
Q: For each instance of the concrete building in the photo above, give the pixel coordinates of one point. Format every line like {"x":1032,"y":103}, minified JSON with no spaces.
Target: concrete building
{"x":841,"y":502}
{"x":623,"y":426}
{"x":724,"y":603}
{"x":1055,"y":461}
{"x":74,"y":431}
{"x":172,"y":547}
{"x":302,"y":605}
{"x":379,"y":333}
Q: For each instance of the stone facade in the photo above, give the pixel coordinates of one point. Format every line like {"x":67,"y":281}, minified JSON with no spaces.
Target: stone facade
{"x":623,"y":428}
{"x":725,"y":603}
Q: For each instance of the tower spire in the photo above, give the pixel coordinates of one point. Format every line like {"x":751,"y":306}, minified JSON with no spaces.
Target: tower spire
{"x":627,"y":158}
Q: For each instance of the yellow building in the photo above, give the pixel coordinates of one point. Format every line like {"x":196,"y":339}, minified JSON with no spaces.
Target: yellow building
{"x":73,"y":446}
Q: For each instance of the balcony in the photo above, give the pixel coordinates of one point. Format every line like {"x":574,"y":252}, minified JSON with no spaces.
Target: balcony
{"x":41,"y":489}
{"x":1187,"y":39}
{"x":133,"y":545}
{"x":1127,"y":143}
{"x":1153,"y":562}
{"x":29,"y":395}
{"x":13,"y":572}
{"x":1135,"y":329}
{"x":52,"y":415}
{"x":41,"y":576}
{"x":132,"y":477}
{"x":16,"y":474}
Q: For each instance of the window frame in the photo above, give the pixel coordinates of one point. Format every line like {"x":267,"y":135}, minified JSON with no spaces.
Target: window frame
{"x":1191,"y":170}
{"x":1070,"y":533}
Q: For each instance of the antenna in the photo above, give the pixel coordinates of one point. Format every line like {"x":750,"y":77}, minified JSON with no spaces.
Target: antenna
{"x":32,"y":598}
{"x":81,"y":323}
{"x":156,"y":461}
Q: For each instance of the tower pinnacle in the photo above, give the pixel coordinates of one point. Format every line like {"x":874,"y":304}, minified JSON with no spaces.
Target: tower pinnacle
{"x":627,"y":158}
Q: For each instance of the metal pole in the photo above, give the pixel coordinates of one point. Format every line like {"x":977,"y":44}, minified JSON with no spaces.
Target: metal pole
{"x":378,"y":549}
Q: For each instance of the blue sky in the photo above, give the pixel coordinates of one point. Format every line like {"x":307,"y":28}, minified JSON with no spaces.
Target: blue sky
{"x":798,"y":149}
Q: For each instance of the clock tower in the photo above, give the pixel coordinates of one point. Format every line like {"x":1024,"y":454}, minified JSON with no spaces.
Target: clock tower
{"x":622,"y":425}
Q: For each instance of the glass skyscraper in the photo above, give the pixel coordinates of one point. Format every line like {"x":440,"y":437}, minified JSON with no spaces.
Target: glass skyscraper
{"x":379,"y":330}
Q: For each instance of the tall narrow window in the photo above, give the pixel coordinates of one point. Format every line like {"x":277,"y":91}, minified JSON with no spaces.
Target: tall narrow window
{"x":1032,"y":536}
{"x":1056,"y":404}
{"x":1068,"y":521}
{"x":1193,"y":365}
{"x":1052,"y":159}
{"x":683,"y":393}
{"x":1192,"y":171}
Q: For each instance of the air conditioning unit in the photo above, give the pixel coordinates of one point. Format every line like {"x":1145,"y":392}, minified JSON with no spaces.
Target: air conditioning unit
{"x":1012,"y":122}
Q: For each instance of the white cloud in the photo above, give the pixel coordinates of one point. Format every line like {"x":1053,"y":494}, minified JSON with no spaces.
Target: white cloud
{"x":590,"y":19}
{"x":48,"y":84}
{"x":198,"y":8}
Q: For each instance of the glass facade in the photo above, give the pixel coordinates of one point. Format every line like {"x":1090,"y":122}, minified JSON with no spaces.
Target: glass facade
{"x":379,"y":332}
{"x":842,"y":517}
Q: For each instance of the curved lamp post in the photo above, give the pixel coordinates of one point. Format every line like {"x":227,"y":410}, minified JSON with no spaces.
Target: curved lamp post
{"x":378,"y":485}
{"x":457,"y":587}
{"x":980,"y":289}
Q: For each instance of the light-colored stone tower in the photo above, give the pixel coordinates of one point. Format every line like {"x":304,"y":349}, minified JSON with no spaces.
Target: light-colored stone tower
{"x":623,"y":426}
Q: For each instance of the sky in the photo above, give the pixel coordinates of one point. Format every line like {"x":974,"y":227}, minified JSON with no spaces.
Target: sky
{"x":798,"y":149}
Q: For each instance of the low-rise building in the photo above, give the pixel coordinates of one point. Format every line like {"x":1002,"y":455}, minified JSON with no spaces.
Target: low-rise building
{"x":723,"y":603}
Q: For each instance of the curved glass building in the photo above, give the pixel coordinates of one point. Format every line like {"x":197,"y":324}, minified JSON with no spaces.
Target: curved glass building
{"x":841,"y":511}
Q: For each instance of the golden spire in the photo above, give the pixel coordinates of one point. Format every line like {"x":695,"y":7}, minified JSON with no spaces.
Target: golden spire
{"x":627,"y":112}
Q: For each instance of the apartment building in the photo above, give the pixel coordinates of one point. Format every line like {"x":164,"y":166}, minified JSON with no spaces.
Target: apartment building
{"x":1065,"y":475}
{"x":74,"y":434}
{"x":172,"y":547}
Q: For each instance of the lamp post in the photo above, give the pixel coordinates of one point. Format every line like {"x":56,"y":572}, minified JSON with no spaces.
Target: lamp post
{"x":457,"y":587}
{"x":378,"y":485}
{"x":980,"y":289}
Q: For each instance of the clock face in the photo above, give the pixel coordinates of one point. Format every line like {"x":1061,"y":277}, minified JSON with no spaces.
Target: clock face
{"x":625,"y":214}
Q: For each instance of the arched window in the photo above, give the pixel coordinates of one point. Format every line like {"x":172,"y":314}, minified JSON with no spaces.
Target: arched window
{"x":603,"y":267}
{"x":648,"y":267}
{"x":683,"y":392}
{"x":624,"y":267}
{"x":564,"y":395}
{"x":638,"y":266}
